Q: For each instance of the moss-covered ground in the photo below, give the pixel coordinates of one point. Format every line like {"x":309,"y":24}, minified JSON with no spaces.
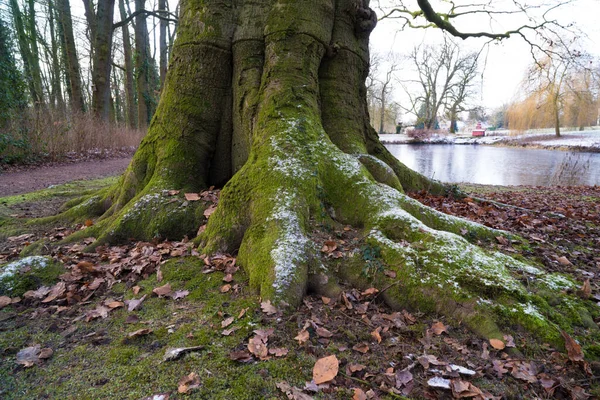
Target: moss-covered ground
{"x":96,"y":360}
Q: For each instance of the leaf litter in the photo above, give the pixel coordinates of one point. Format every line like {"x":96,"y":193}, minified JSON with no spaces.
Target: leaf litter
{"x":400,"y":356}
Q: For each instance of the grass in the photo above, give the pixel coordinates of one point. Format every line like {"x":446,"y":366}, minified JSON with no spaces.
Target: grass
{"x":97,"y":362}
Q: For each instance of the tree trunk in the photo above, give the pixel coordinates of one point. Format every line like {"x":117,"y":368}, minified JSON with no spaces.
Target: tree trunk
{"x":56,"y":92}
{"x":143,"y":68}
{"x":102,"y":48}
{"x":72,"y":62}
{"x":556,"y":112}
{"x":162,"y":6}
{"x":269,"y":98}
{"x":30,"y":60}
{"x":127,"y":54}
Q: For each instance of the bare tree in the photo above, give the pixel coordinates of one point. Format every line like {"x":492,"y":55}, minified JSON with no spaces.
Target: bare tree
{"x":444,"y":81}
{"x":553,"y":79}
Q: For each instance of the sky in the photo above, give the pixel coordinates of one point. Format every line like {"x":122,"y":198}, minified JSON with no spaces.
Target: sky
{"x":505,"y":63}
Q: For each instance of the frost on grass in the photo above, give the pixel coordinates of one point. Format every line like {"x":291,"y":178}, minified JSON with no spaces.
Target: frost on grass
{"x":291,"y":246}
{"x":33,"y":262}
{"x":23,"y":274}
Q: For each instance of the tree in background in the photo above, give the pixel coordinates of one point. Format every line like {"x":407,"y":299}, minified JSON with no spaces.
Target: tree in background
{"x":13,"y":97}
{"x":445,"y":82}
{"x":268,"y":98}
{"x":70,"y":58}
{"x":557,"y":89}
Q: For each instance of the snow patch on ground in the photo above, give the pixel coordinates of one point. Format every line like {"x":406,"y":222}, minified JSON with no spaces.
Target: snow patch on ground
{"x":291,"y":246}
{"x":37,"y":262}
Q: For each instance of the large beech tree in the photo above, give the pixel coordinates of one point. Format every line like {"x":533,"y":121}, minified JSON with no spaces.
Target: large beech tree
{"x":268,"y":98}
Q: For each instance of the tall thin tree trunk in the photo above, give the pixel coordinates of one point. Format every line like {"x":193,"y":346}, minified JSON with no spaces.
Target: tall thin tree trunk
{"x":35,"y":57}
{"x":56,"y":91}
{"x":102,"y":59}
{"x":142,"y":67}
{"x":73,"y":70}
{"x":162,"y":7}
{"x":131,"y":110}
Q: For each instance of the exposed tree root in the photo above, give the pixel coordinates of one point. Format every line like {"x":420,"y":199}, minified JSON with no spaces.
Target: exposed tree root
{"x":304,"y":155}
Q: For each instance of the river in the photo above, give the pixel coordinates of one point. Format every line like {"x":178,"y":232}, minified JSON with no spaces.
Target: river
{"x":500,"y":165}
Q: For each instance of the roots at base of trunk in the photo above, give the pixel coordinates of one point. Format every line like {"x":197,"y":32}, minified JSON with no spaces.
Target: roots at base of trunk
{"x":270,"y":210}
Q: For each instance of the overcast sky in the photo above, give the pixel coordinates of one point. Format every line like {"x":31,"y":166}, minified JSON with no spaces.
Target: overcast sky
{"x":505,"y":62}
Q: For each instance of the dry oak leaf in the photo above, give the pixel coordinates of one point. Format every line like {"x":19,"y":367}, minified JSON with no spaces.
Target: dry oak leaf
{"x":180,"y":294}
{"x":586,"y":290}
{"x":292,"y":393}
{"x":225,"y":288}
{"x":29,"y":356}
{"x":268,"y":308}
{"x":192,"y":196}
{"x":359,"y":394}
{"x":241,"y":356}
{"x":573,"y":348}
{"x":322,"y":332}
{"x":302,"y":336}
{"x":4,"y":301}
{"x":134,"y":304}
{"x":325,"y":369}
{"x":352,"y":368}
{"x":370,"y":292}
{"x":497,"y":344}
{"x":188,"y":383}
{"x":563,"y":260}
{"x":115,"y":304}
{"x":279,"y":352}
{"x":163,"y":290}
{"x":361,"y":347}
{"x":225,"y":323}
{"x":209,"y":211}
{"x":375,"y":334}
{"x":329,"y":246}
{"x":56,"y":291}
{"x":257,"y":347}
{"x":438,"y":328}
{"x":139,"y":332}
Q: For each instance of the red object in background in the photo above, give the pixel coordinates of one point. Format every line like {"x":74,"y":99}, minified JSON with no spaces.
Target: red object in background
{"x":478,"y":131}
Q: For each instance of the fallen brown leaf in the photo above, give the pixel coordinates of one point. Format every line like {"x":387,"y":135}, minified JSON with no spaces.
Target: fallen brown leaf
{"x":361,"y":347}
{"x":134,"y":304}
{"x":139,"y":332}
{"x":325,"y":369}
{"x":268,"y":308}
{"x":359,"y":394}
{"x":188,"y":383}
{"x":279,"y":352}
{"x":573,"y":348}
{"x":322,"y":332}
{"x":438,"y":328}
{"x":192,"y":196}
{"x":376,"y":334}
{"x":163,"y":290}
{"x":4,"y":301}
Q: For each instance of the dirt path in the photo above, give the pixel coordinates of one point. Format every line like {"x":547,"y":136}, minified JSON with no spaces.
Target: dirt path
{"x":12,"y":183}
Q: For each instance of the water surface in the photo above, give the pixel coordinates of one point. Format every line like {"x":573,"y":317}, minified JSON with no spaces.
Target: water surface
{"x":500,"y":165}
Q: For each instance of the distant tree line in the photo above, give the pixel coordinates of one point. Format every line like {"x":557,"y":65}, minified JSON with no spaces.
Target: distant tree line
{"x":59,"y":60}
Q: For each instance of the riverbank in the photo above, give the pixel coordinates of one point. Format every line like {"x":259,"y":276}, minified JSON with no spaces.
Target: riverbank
{"x":588,"y":140}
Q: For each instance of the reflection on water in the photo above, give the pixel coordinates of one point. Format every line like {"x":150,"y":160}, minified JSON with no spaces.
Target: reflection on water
{"x":500,"y":165}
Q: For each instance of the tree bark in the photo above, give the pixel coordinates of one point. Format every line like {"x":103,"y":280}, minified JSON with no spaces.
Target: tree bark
{"x":73,"y":71}
{"x":102,"y":34}
{"x":127,"y":54}
{"x":162,"y":6}
{"x":56,"y":92}
{"x":268,"y":97}
{"x":30,"y":58}
{"x":144,"y":69}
